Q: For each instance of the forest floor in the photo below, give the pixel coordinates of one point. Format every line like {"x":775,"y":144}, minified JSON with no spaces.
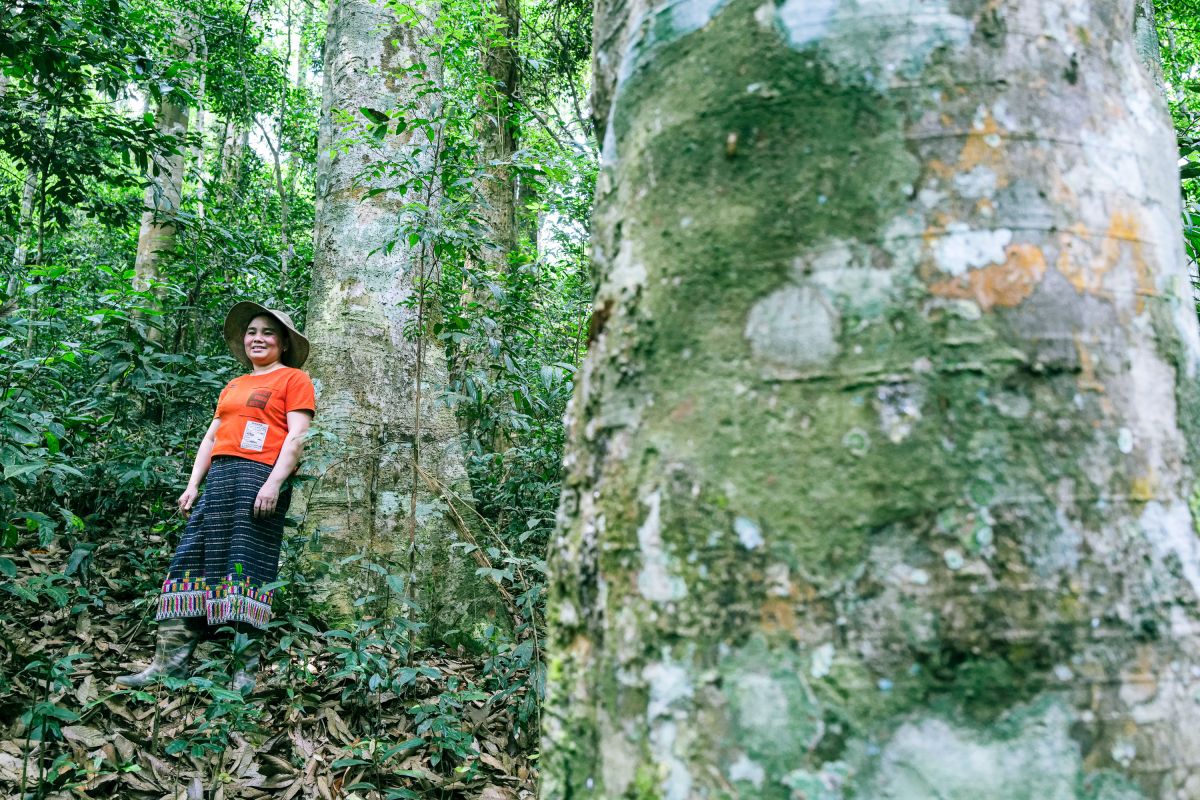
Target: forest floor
{"x":336,"y":714}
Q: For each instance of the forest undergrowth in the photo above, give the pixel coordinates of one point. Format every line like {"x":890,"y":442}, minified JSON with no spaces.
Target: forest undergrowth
{"x":370,"y":711}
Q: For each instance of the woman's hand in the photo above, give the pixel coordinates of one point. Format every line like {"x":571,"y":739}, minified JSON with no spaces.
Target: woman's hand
{"x":187,"y":500}
{"x":268,"y":498}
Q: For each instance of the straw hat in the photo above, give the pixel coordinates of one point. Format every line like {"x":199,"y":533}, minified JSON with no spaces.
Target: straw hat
{"x":235,"y":329}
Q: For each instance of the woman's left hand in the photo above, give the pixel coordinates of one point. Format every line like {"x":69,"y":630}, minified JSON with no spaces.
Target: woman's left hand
{"x":267,"y":500}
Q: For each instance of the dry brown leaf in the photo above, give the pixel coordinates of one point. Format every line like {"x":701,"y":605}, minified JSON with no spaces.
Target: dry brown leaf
{"x":496,"y":793}
{"x":125,"y":748}
{"x":280,"y":767}
{"x":337,"y":726}
{"x":10,"y":767}
{"x":493,"y":762}
{"x":88,"y":738}
{"x":85,"y":692}
{"x":293,"y":790}
{"x":139,"y":782}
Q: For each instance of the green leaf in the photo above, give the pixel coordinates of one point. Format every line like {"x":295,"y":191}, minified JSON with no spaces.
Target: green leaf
{"x":378,"y":117}
{"x":17,"y":470}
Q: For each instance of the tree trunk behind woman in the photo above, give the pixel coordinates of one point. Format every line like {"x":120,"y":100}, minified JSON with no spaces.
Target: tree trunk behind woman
{"x":397,"y":451}
{"x":156,"y":234}
{"x":880,"y":463}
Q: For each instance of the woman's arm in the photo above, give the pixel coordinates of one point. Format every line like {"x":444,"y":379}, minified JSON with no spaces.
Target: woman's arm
{"x":289,"y":457}
{"x":199,"y":468}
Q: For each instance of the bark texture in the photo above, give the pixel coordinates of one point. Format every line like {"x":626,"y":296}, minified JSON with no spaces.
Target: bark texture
{"x":879,"y":471}
{"x":162,"y":199}
{"x":497,"y":134}
{"x":395,"y":444}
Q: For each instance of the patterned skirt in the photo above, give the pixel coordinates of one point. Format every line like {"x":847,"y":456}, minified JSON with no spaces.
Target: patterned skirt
{"x":226,"y":555}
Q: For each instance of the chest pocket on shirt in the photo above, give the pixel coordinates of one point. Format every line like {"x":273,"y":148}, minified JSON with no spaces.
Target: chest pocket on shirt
{"x":255,"y":435}
{"x":258,"y":399}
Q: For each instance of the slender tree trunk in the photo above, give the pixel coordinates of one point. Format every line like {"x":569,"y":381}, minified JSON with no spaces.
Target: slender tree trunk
{"x":1145,"y":37}
{"x":21,"y":242}
{"x":162,"y":200}
{"x":378,"y":376}
{"x":234,"y":142}
{"x":198,"y":154}
{"x":879,"y":464}
{"x":497,"y":133}
{"x":285,"y":244}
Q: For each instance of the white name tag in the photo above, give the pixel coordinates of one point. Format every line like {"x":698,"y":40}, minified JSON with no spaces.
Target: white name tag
{"x":255,"y":435}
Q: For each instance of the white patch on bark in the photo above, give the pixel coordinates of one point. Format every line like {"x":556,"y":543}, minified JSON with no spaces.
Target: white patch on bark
{"x":656,"y":582}
{"x":793,"y":328}
{"x":1170,"y":532}
{"x":805,"y":21}
{"x":669,"y":683}
{"x":962,"y":248}
{"x":930,"y":757}
{"x":627,"y":273}
{"x":979,"y":182}
{"x":822,"y":661}
{"x":1060,"y":20}
{"x":858,"y":37}
{"x":762,"y":704}
{"x":670,"y":687}
{"x":692,"y":15}
{"x":748,"y":533}
{"x":746,"y":770}
{"x":652,"y":32}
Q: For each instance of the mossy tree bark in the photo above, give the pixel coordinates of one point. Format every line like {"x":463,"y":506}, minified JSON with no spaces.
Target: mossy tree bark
{"x":156,"y":234}
{"x":397,"y":448}
{"x":880,"y":463}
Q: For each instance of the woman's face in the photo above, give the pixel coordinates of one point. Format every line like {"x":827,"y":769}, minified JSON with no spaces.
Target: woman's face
{"x":265,"y":341}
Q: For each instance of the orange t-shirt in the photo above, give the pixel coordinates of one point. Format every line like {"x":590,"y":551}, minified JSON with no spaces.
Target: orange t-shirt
{"x":253,"y":412}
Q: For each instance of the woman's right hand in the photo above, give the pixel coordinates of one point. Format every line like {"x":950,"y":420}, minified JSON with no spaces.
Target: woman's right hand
{"x":187,"y":500}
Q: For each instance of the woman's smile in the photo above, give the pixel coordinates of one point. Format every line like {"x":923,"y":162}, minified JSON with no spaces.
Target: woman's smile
{"x":262,"y":342}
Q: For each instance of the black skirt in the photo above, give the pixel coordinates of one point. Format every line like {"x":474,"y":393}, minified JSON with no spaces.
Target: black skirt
{"x":226,"y":555}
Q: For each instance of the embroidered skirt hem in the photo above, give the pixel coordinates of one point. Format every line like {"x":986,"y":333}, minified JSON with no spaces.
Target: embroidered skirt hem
{"x":226,"y":554}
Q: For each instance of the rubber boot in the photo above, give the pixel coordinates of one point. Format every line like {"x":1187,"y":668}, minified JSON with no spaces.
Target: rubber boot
{"x":246,"y":656}
{"x":172,"y":652}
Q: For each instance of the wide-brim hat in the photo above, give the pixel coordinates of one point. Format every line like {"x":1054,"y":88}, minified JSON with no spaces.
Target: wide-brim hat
{"x":235,"y":331}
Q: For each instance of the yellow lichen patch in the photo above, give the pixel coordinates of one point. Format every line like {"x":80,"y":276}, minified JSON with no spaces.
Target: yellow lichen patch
{"x":1124,"y":231}
{"x":778,"y":615}
{"x":1142,"y":488}
{"x":1069,"y":265}
{"x":1087,"y":367}
{"x":580,"y":648}
{"x":1006,"y":285}
{"x":982,"y":148}
{"x":1123,"y":234}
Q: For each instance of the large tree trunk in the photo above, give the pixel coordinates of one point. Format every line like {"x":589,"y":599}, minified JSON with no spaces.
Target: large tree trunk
{"x":879,"y":465}
{"x":378,"y":383}
{"x":163,"y":194}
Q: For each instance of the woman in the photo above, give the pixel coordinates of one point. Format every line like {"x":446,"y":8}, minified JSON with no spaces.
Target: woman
{"x":229,"y":552}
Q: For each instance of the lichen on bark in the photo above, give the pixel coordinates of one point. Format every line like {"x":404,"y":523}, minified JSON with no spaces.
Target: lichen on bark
{"x":883,"y":431}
